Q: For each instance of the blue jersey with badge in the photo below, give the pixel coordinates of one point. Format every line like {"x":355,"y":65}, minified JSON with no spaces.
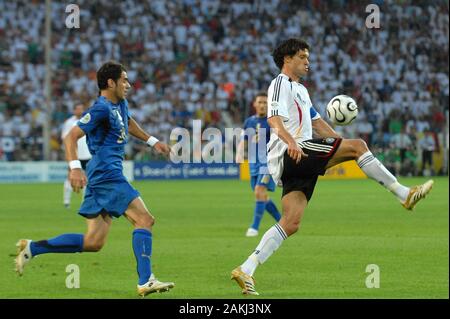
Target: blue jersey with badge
{"x":257,"y":157}
{"x":106,"y":127}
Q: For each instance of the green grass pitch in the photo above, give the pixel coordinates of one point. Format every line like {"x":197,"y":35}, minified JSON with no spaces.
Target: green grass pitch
{"x":199,"y":238}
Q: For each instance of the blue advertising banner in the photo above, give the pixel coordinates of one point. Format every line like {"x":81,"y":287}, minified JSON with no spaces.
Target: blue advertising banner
{"x":165,"y":170}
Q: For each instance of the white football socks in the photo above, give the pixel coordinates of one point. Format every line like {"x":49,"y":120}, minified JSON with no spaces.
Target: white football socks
{"x":376,"y":170}
{"x":67,"y":192}
{"x":271,"y":241}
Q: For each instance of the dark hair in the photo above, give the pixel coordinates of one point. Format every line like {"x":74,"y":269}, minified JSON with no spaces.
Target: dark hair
{"x":290,"y":48}
{"x":261,"y":93}
{"x":109,"y":70}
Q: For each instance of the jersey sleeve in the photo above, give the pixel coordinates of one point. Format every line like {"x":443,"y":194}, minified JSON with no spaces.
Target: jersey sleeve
{"x":279,"y":97}
{"x":93,"y":117}
{"x":314,"y":114}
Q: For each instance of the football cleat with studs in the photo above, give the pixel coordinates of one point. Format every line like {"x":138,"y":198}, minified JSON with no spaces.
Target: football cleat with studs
{"x":154,"y":285}
{"x":246,"y":282}
{"x":23,"y":255}
{"x":416,"y":193}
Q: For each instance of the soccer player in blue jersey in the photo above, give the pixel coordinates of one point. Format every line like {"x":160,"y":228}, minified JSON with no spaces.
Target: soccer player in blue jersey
{"x":260,"y":180}
{"x":106,"y":125}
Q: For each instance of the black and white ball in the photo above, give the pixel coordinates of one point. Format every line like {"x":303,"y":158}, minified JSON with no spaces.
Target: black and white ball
{"x":342,"y":110}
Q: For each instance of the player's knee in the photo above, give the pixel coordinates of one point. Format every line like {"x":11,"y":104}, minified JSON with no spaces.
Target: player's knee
{"x":146,"y":221}
{"x":260,"y":195}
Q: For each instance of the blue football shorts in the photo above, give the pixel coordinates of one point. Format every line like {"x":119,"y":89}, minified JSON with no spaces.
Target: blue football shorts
{"x":263,"y":180}
{"x":112,"y":198}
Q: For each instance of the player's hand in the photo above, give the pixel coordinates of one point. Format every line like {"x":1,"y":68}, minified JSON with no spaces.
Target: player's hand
{"x":295,"y":152}
{"x":239,"y":158}
{"x":77,"y":179}
{"x":162,"y":148}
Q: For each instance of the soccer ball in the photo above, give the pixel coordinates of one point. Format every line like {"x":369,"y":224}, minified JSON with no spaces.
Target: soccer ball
{"x":342,"y":110}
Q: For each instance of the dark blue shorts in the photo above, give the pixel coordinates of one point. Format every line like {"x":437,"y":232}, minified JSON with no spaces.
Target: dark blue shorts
{"x":263,"y":180}
{"x":111,"y":198}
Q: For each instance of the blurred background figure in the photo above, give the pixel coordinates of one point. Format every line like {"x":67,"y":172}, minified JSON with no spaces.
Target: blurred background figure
{"x":428,"y":146}
{"x":207,"y":59}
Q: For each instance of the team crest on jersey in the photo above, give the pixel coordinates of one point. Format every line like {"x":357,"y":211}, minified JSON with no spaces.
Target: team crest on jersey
{"x":329,"y":140}
{"x":85,"y":119}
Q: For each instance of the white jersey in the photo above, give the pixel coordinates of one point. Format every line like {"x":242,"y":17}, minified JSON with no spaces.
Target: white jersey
{"x":83,"y":150}
{"x":289,"y":100}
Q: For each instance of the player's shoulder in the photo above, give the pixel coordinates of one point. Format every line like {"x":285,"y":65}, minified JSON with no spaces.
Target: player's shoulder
{"x":100,"y":104}
{"x":281,"y":79}
{"x":249,"y":120}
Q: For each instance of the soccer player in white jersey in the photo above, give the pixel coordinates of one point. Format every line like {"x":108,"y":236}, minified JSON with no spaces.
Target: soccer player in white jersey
{"x":295,"y":159}
{"x":83,"y":151}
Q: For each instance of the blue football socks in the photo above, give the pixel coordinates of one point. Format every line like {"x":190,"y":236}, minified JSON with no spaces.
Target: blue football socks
{"x":272,"y":209}
{"x":258,"y":214}
{"x":66,"y":243}
{"x":142,"y":247}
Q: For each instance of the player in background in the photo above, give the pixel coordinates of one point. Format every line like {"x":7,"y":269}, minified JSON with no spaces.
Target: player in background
{"x":260,"y":179}
{"x":106,"y":124}
{"x":83,"y":151}
{"x":295,"y":159}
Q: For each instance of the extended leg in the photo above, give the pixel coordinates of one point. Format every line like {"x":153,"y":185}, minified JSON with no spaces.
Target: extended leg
{"x":92,"y":241}
{"x":138,"y":214}
{"x":373,"y":168}
{"x":294,"y":204}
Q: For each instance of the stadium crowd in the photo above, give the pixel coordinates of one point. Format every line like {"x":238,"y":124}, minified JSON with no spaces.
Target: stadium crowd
{"x":192,"y":59}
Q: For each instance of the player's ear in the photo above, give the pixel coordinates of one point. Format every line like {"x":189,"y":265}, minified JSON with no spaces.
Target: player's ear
{"x":111,"y":83}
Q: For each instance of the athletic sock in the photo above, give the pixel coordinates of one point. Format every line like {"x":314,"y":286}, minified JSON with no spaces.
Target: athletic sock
{"x":271,"y":241}
{"x":258,"y":214}
{"x":67,"y":192}
{"x":142,"y":247}
{"x":376,"y":170}
{"x":66,"y":243}
{"x":272,"y":209}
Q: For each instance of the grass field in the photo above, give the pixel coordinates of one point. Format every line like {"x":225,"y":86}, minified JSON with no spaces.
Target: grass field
{"x":199,"y":238}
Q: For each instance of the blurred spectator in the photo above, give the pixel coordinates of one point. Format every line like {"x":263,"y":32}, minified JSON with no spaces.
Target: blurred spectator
{"x":206,"y":59}
{"x":402,"y":143}
{"x":428,"y":145}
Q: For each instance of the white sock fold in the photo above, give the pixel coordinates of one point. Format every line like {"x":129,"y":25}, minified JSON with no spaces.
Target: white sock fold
{"x":270,"y":242}
{"x":376,"y":171}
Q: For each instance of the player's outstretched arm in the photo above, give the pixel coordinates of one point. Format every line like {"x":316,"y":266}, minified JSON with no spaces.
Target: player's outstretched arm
{"x":135,"y":130}
{"x":323,"y":129}
{"x":76,"y":176}
{"x":294,"y":150}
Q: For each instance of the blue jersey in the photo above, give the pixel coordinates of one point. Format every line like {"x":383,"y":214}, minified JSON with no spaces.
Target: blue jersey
{"x":257,"y":157}
{"x":106,"y":127}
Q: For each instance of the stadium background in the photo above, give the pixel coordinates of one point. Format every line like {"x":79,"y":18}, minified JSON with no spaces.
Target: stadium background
{"x":191,"y":59}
